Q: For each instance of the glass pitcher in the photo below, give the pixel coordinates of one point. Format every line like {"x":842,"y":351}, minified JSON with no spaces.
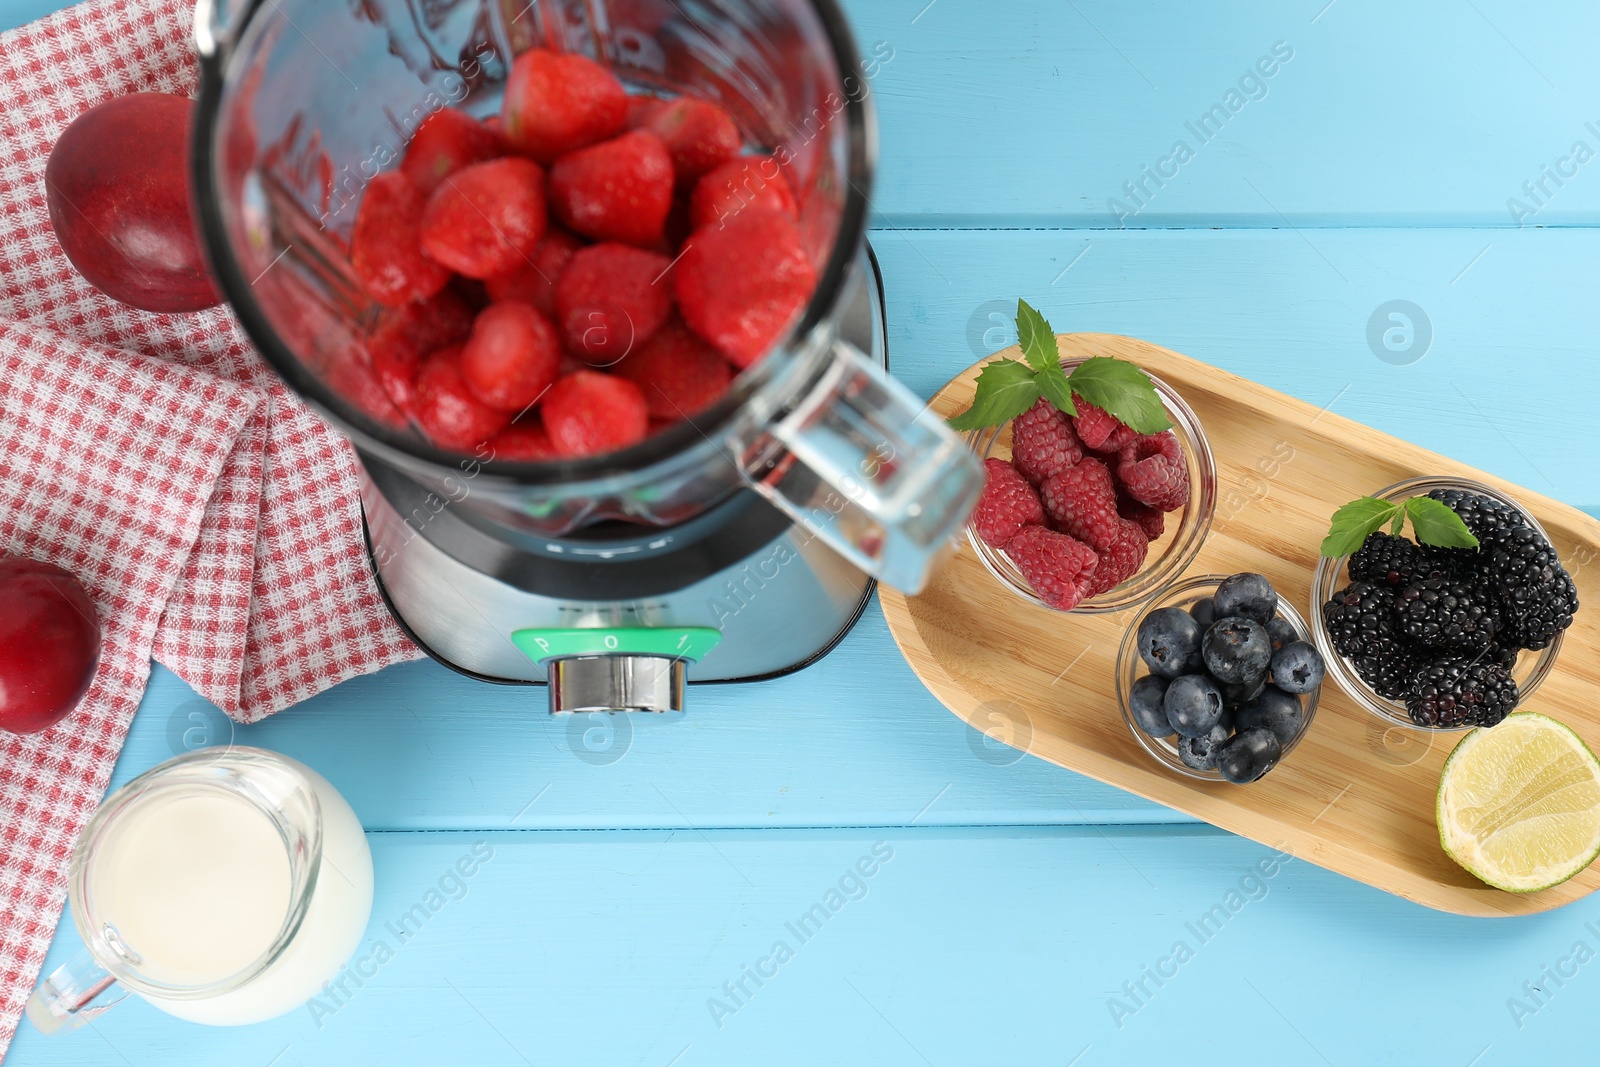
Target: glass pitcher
{"x":224,"y":887}
{"x":303,"y":101}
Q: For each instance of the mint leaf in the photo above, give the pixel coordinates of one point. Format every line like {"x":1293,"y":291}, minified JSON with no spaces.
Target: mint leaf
{"x":1053,"y":384}
{"x":1037,"y":339}
{"x":1123,"y":390}
{"x":1353,"y":522}
{"x":1435,"y":524}
{"x":1006,"y":389}
{"x":1399,"y":522}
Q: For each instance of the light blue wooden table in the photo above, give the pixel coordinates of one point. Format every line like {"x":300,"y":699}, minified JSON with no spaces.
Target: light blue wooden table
{"x":1023,"y":908}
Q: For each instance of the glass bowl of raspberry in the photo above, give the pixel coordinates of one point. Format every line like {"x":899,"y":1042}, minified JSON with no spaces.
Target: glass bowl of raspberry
{"x":1372,"y":648}
{"x":1081,"y":554}
{"x":1258,"y":704}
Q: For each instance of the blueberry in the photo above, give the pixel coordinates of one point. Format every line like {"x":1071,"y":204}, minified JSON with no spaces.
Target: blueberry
{"x":1204,"y":611}
{"x":1201,"y":752}
{"x":1237,"y":649}
{"x":1144,"y":702}
{"x":1169,"y":642}
{"x":1249,"y":595}
{"x":1251,"y":754}
{"x":1237,"y":694}
{"x":1297,"y":668}
{"x":1282,"y":632}
{"x":1274,"y":711}
{"x":1193,"y":704}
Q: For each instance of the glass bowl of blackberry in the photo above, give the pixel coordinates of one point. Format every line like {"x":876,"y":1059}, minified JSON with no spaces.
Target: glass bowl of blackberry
{"x":1060,"y":523}
{"x":1445,"y":638}
{"x":1217,"y":678}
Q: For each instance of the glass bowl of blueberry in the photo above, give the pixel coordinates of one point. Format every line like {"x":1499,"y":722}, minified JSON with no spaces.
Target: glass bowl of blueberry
{"x":1061,"y":524}
{"x":1438,"y":637}
{"x":1218,"y":679}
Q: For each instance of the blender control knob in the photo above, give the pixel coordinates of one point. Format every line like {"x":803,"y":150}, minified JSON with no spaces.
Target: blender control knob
{"x":616,"y":683}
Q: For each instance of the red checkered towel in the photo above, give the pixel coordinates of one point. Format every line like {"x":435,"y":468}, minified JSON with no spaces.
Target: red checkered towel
{"x":212,"y":515}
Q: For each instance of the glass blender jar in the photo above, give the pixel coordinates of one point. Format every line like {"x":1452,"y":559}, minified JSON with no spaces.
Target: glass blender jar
{"x":304,"y":101}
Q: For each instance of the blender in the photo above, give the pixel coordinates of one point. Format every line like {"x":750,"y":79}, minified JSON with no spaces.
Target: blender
{"x":736,"y":545}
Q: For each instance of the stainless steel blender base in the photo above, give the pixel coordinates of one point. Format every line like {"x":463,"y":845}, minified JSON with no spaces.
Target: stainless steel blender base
{"x":779,"y":608}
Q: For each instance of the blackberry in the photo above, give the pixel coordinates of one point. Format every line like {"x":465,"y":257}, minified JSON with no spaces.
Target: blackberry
{"x":1503,"y":654}
{"x":1362,"y":628}
{"x":1483,"y":514}
{"x":1385,"y":560}
{"x":1440,"y":613}
{"x":1536,"y":595}
{"x":1455,"y":691}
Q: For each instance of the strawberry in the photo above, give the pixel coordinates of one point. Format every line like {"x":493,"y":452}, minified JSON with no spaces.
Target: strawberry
{"x":1055,"y":566}
{"x":555,"y":104}
{"x":1121,"y":561}
{"x":486,"y":219}
{"x":620,"y":190}
{"x":611,"y":299}
{"x":699,"y":134}
{"x":753,"y":183}
{"x":742,"y":285}
{"x":524,"y":441}
{"x":1007,"y":505}
{"x":512,"y":356}
{"x":403,"y":336}
{"x":535,"y":281}
{"x":1153,"y":471}
{"x":385,"y":246}
{"x":589,"y":413}
{"x":446,"y":408}
{"x":1082,"y":501}
{"x":1098,"y":429}
{"x":447,"y":141}
{"x":679,"y":374}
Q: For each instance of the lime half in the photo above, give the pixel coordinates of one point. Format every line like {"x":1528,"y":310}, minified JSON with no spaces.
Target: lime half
{"x":1519,"y":804}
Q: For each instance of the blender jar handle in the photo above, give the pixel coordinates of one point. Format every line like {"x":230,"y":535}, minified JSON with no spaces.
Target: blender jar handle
{"x":78,"y":992}
{"x":871,"y":470}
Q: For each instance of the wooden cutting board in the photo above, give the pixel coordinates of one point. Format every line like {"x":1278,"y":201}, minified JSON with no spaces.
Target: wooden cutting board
{"x":1357,"y":795}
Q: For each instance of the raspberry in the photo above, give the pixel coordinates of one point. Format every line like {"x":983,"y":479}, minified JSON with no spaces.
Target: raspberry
{"x":386,"y":244}
{"x":1153,"y":472}
{"x":522,"y":442}
{"x":679,"y":374}
{"x":752,"y":183}
{"x":555,"y":104}
{"x":1055,"y":566}
{"x":1122,"y":561}
{"x":1099,"y":429}
{"x":486,"y":219}
{"x":698,"y":133}
{"x":1007,"y":505}
{"x":404,"y":335}
{"x":512,"y":356}
{"x":620,"y":190}
{"x":446,"y":141}
{"x":446,"y":408}
{"x":589,"y":413}
{"x":535,"y":281}
{"x":740,"y":286}
{"x":1082,"y":501}
{"x":1150,"y":519}
{"x":1043,"y":443}
{"x":611,"y":299}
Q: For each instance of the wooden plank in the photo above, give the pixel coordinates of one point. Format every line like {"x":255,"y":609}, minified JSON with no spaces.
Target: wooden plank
{"x":1343,"y":799}
{"x":996,"y":946}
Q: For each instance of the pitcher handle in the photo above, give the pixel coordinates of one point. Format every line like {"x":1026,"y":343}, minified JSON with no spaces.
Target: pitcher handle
{"x":867,"y":467}
{"x":78,"y":992}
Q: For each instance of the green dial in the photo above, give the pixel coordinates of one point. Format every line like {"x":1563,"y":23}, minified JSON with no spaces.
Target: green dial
{"x":673,"y":642}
